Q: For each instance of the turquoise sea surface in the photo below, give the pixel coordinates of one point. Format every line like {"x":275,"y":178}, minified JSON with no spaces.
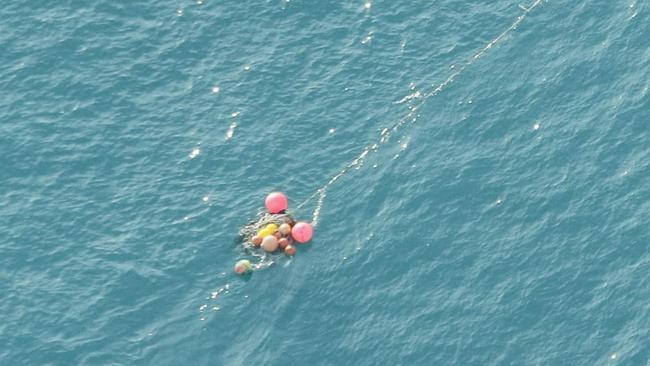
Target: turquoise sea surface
{"x":483,"y":169}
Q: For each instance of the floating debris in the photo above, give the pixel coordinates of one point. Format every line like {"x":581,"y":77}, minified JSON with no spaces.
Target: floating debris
{"x":273,"y":229}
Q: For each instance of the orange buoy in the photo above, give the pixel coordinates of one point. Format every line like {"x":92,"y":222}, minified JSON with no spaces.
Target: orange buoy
{"x":270,"y":243}
{"x":290,"y":250}
{"x":256,"y":240}
{"x":283,"y":242}
{"x":285,"y":229}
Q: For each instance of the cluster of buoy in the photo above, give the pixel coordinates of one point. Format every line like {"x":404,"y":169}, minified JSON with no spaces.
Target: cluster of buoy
{"x":275,"y":230}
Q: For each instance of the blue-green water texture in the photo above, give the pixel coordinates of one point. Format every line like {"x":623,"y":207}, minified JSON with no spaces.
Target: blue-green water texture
{"x":490,"y":202}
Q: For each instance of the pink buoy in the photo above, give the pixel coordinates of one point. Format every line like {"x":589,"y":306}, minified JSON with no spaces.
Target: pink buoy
{"x":276,"y":202}
{"x":302,"y":232}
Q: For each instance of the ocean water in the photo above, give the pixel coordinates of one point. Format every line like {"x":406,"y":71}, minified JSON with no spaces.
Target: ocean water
{"x":491,"y":204}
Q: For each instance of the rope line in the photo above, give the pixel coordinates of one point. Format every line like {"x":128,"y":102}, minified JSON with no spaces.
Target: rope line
{"x":386,"y":133}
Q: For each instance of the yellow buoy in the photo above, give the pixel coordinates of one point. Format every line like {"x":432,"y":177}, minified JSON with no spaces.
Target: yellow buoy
{"x":272,"y":228}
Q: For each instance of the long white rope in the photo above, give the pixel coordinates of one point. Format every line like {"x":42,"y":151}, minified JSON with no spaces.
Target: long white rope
{"x":411,"y":117}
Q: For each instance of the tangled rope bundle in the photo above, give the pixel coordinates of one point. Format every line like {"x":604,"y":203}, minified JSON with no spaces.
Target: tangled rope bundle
{"x":263,"y":219}
{"x":273,"y":229}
